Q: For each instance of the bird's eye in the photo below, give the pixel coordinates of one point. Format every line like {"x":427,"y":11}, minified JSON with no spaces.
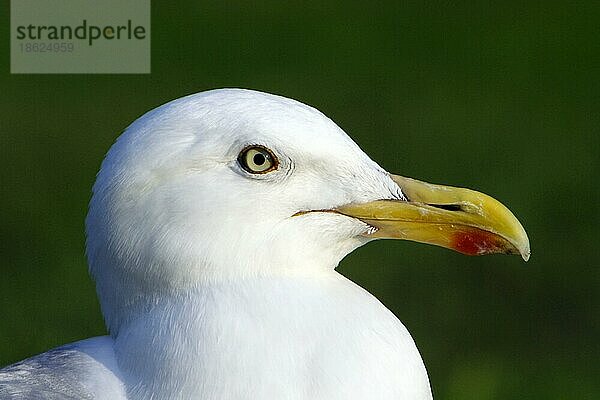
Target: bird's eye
{"x":258,"y":160}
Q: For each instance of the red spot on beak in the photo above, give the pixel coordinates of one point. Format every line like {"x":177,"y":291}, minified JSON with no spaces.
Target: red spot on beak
{"x":475,"y":242}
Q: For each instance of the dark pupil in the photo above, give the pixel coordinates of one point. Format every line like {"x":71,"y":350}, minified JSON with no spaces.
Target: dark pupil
{"x":259,"y":159}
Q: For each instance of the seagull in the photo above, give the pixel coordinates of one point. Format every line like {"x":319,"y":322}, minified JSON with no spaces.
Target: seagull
{"x":213,"y":233}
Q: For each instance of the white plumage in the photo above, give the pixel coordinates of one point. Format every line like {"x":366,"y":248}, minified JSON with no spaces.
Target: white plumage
{"x":215,"y":282}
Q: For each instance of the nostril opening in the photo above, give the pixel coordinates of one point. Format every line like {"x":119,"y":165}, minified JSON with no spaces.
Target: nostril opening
{"x":448,"y":207}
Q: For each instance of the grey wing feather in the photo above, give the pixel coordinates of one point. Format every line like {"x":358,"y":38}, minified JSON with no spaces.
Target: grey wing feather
{"x":52,"y":375}
{"x":70,"y":372}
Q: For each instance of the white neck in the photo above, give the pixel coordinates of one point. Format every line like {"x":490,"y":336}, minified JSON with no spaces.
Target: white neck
{"x":274,"y":338}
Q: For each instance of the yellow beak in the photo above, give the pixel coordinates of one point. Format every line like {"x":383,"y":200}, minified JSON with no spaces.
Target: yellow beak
{"x":459,"y":219}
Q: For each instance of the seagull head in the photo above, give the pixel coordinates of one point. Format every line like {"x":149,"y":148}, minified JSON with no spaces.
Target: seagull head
{"x":231,"y":184}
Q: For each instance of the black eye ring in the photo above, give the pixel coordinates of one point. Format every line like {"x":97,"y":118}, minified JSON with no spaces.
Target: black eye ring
{"x":258,"y":159}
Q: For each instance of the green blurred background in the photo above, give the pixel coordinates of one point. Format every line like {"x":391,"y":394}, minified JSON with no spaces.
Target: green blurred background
{"x":500,"y":97}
